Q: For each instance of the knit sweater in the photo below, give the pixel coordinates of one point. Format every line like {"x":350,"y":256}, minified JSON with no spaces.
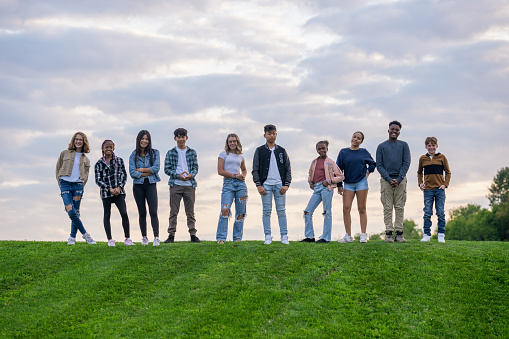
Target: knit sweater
{"x":433,"y":168}
{"x":393,"y":160}
{"x":355,"y":163}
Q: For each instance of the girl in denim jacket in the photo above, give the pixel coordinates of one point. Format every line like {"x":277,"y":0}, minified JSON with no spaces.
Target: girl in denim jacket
{"x":232,"y":167}
{"x":72,"y":175}
{"x":144,"y":164}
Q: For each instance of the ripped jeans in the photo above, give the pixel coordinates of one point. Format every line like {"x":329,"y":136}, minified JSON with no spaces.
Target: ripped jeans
{"x":232,"y":189}
{"x":68,"y":191}
{"x":321,"y":194}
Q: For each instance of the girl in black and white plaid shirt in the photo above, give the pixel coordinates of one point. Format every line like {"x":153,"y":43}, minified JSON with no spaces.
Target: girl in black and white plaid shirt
{"x":111,"y":176}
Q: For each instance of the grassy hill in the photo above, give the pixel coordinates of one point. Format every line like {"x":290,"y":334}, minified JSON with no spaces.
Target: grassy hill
{"x":453,"y":290}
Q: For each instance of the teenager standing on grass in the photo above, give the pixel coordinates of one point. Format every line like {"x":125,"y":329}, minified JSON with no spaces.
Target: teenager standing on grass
{"x":111,"y":176}
{"x":144,"y":164}
{"x":392,"y":162}
{"x":357,"y":164}
{"x":323,"y":177}
{"x":181,"y":164}
{"x":72,"y":175}
{"x":433,"y":186}
{"x":232,"y":167}
{"x":272,"y":175}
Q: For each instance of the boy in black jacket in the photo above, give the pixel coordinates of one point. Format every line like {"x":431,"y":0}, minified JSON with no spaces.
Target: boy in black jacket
{"x":272,"y":175}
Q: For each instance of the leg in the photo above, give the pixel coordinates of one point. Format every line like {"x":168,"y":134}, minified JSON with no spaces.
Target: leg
{"x":399,"y":205}
{"x":226,"y":203}
{"x":313,"y":203}
{"x":175,"y":197}
{"x":267,"y":208}
{"x":327,"y":213}
{"x":240,"y":211}
{"x":280,"y":202}
{"x":362,"y":198}
{"x":428,"y":210}
{"x":387,"y":199}
{"x":348,"y":197}
{"x":189,"y":199}
{"x":71,"y":197}
{"x":107,"y":214}
{"x":439,"y":206}
{"x":139,"y":197}
{"x":151,"y":196}
{"x":122,"y":208}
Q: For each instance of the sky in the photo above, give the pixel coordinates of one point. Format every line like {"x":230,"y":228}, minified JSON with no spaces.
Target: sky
{"x":316,"y":69}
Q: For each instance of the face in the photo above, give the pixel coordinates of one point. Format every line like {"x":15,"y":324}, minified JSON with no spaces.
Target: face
{"x":144,"y":141}
{"x":356,"y":139}
{"x":270,"y":136}
{"x":108,"y":148}
{"x":78,"y":141}
{"x":394,"y":132}
{"x":181,"y":141}
{"x":432,"y":148}
{"x":322,"y":150}
{"x":232,"y":143}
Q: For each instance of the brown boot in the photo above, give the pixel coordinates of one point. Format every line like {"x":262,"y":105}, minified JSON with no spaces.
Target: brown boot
{"x":389,"y":237}
{"x":399,"y":237}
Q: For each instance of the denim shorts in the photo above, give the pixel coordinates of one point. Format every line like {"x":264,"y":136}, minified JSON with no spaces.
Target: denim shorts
{"x":356,"y":186}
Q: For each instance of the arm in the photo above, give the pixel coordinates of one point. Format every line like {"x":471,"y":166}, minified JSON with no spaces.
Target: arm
{"x":193,"y":167}
{"x":370,"y":162}
{"x":380,"y":164}
{"x":170,"y":166}
{"x":123,"y":173}
{"x":341,"y":166}
{"x":288,"y":170}
{"x":256,"y":168}
{"x":156,"y":166}
{"x":59,"y":165}
{"x":406,"y":163}
{"x":447,"y":172}
{"x":338,"y":174}
{"x":132,"y":166}
{"x":220,"y":169}
{"x":99,"y":180}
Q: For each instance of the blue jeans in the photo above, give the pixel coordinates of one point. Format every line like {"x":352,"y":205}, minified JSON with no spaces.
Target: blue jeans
{"x":438,"y":197}
{"x":69,"y":190}
{"x":323,"y":195}
{"x":233,"y":189}
{"x":280,"y":201}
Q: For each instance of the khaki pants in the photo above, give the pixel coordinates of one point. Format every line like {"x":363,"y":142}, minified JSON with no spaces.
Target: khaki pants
{"x":176,"y":194}
{"x":393,"y":197}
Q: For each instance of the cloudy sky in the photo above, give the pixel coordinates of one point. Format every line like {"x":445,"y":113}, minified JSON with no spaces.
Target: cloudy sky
{"x":315,"y":69}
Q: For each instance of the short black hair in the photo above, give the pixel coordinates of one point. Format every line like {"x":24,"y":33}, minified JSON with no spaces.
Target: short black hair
{"x":324,"y":142}
{"x":395,"y":122}
{"x":180,"y":132}
{"x":268,"y":128}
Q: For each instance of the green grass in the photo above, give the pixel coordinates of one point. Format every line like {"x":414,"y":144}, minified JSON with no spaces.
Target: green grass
{"x":453,"y":290}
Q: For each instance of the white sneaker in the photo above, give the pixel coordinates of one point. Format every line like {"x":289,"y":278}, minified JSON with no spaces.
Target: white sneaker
{"x":364,"y":238}
{"x":345,"y":239}
{"x":284,"y":240}
{"x":426,"y":238}
{"x":71,"y":241}
{"x":111,"y":243}
{"x":268,"y":239}
{"x":128,"y":242}
{"x":144,"y":241}
{"x":441,"y":237}
{"x":156,"y":241}
{"x":220,"y":242}
{"x":88,"y":238}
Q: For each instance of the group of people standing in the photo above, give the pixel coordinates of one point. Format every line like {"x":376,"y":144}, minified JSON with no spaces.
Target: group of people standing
{"x":272,"y":176}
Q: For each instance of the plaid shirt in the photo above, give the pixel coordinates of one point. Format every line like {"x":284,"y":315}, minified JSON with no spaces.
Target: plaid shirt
{"x":108,"y":176}
{"x":171,"y":162}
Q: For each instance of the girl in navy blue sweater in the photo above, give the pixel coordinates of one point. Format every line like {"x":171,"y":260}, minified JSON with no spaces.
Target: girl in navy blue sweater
{"x":357,"y":164}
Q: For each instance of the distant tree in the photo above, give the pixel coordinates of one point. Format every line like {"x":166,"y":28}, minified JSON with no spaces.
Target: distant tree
{"x":376,"y":236}
{"x":472,"y":222}
{"x":499,"y":189}
{"x":410,"y":230}
{"x":501,"y":212}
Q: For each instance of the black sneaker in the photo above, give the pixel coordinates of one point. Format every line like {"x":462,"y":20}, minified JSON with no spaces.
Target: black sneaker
{"x":321,"y":241}
{"x":194,"y":238}
{"x":308,"y":240}
{"x":170,"y":240}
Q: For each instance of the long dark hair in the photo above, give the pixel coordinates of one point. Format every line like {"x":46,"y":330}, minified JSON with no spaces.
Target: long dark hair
{"x":148,"y":150}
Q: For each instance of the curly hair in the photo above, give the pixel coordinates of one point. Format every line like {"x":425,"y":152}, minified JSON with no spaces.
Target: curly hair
{"x":85,"y":148}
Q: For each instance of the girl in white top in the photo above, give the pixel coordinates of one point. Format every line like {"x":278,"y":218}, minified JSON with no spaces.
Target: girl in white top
{"x":232,"y":167}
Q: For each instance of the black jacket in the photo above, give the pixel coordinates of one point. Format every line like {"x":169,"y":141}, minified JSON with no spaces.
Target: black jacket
{"x":261,"y":162}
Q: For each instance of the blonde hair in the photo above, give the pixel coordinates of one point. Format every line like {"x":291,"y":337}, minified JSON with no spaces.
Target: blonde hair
{"x":239,"y":145}
{"x":85,"y":148}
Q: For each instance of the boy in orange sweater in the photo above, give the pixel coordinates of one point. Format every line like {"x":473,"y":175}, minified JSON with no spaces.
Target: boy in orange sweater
{"x":433,"y":165}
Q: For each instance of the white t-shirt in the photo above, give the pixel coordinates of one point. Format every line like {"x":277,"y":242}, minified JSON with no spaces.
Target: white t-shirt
{"x":273,"y":177}
{"x":182,"y":167}
{"x":232,"y":162}
{"x":75,"y":175}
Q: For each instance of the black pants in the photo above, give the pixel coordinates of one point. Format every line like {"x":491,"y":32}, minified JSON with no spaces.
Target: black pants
{"x":119,"y":201}
{"x":147,"y":192}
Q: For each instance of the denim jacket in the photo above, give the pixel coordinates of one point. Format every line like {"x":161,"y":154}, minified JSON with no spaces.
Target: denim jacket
{"x":139,"y":163}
